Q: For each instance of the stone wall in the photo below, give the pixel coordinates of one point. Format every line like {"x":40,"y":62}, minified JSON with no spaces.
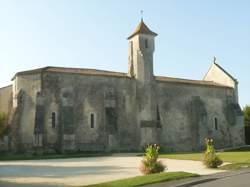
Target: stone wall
{"x":5,"y":107}
{"x":29,"y":86}
{"x":76,"y":112}
{"x":111,"y":101}
{"x":189,"y":113}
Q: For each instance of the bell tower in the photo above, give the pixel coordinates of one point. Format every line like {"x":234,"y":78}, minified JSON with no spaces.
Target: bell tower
{"x":141,"y":50}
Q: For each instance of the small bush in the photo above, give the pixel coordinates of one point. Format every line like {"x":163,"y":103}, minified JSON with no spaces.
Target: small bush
{"x":211,"y":160}
{"x":149,"y":163}
{"x":2,"y":124}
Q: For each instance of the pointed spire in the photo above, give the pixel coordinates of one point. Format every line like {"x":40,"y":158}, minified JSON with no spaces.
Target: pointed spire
{"x":142,"y":28}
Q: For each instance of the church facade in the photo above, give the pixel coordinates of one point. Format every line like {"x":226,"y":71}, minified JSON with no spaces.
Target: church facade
{"x":69,"y":109}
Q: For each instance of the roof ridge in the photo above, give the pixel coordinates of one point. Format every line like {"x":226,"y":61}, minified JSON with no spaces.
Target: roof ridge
{"x":72,"y":70}
{"x":189,"y":81}
{"x":182,"y":78}
{"x":83,"y":69}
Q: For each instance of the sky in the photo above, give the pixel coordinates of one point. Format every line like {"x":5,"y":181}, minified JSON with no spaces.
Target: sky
{"x":92,"y":34}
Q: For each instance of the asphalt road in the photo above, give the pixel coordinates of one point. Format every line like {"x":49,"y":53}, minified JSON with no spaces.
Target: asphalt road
{"x":242,"y":180}
{"x":238,"y":178}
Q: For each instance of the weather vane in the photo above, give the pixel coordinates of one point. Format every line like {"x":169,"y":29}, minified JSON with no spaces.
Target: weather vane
{"x":141,"y":14}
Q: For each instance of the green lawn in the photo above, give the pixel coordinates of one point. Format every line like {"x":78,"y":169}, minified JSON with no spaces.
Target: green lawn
{"x":237,"y":158}
{"x":50,"y":156}
{"x":146,"y":179}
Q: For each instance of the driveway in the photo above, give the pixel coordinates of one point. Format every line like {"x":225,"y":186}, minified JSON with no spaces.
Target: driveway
{"x":83,"y":171}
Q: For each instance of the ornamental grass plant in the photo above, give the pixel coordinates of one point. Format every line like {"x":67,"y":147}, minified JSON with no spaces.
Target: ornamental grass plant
{"x":211,"y":159}
{"x":150,"y":163}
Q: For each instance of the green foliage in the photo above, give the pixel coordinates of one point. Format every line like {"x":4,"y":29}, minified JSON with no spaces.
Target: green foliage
{"x":246,"y":112}
{"x":235,"y":166}
{"x":149,"y":163}
{"x":211,"y":160}
{"x":2,"y":118}
{"x":239,"y":158}
{"x":2,"y":124}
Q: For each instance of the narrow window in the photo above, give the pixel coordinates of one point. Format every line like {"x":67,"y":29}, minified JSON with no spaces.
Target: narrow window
{"x":158,"y":113}
{"x":53,"y":121}
{"x":216,"y":123}
{"x":92,"y":120}
{"x":146,"y":43}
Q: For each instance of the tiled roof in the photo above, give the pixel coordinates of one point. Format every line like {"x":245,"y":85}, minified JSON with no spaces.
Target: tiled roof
{"x":116,"y":74}
{"x":188,"y":81}
{"x":87,"y":71}
{"x":73,"y":71}
{"x":142,"y":28}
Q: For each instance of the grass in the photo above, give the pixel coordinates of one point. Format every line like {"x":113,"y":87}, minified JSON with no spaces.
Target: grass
{"x":238,"y":159}
{"x":146,"y":179}
{"x":51,"y":156}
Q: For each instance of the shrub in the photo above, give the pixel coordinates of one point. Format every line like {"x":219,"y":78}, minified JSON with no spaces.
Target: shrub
{"x":149,"y":163}
{"x":246,"y":111}
{"x":211,"y":160}
{"x":2,"y":124}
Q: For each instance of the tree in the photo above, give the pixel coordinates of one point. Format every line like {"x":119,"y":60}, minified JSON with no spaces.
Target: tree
{"x":2,"y":124}
{"x":246,"y":111}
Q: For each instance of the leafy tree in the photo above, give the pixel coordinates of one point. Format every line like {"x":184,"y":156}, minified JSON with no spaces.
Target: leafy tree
{"x":2,"y":124}
{"x":246,"y":111}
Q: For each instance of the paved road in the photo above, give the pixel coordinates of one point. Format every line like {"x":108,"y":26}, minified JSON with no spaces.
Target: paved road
{"x":242,"y":180}
{"x":83,"y":171}
{"x":239,"y":178}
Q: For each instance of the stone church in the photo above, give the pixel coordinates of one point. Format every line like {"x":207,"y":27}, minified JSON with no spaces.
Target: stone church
{"x":70,"y":109}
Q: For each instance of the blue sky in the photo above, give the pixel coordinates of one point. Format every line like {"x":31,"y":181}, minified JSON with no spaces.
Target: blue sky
{"x":92,"y":34}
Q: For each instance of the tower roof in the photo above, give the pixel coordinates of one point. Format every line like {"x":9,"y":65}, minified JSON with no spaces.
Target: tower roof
{"x":142,"y":28}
